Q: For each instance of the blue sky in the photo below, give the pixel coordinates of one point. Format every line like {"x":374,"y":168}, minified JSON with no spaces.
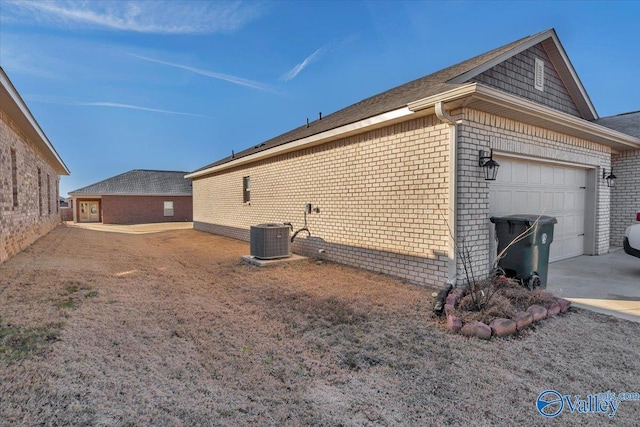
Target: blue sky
{"x":175,"y":85}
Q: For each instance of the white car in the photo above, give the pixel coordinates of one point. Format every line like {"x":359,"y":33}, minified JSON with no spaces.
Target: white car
{"x":632,"y":239}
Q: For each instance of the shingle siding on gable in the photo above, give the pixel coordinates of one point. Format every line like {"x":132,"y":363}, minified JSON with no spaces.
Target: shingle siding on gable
{"x":516,"y":76}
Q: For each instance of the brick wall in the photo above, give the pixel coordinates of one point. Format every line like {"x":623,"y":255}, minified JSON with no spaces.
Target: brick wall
{"x":37,"y":210}
{"x":625,"y":196}
{"x":145,"y":209}
{"x":481,"y":130}
{"x":382,"y":197}
{"x":516,"y":76}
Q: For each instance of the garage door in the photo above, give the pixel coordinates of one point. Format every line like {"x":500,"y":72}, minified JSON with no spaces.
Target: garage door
{"x":524,"y":187}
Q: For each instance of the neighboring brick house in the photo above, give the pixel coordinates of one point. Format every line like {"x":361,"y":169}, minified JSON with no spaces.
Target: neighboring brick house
{"x":625,"y":196}
{"x":30,"y":170}
{"x":396,"y":177}
{"x":135,"y":197}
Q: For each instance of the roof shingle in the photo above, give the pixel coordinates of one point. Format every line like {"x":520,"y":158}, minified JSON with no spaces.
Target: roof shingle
{"x":389,"y":100}
{"x":140,"y":182}
{"x":628,"y":123}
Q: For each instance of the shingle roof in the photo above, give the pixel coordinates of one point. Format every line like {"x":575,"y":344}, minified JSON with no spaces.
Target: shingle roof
{"x":140,"y":182}
{"x":389,"y":100}
{"x":628,"y":123}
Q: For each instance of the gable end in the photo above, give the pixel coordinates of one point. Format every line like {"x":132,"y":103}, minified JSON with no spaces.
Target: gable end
{"x":518,"y":76}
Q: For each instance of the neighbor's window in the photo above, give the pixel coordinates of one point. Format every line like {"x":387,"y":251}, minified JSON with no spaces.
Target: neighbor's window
{"x":168,"y":208}
{"x":39,"y":192}
{"x":48,"y":194}
{"x":246,"y":189}
{"x":14,"y":177}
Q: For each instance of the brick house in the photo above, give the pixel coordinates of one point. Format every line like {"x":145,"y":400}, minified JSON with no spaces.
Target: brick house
{"x":30,"y":170}
{"x":135,"y":197}
{"x":625,"y":197}
{"x":397,"y":178}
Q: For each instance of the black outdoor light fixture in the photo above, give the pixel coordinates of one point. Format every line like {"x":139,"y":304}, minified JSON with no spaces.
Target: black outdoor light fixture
{"x":611,"y":178}
{"x":490,"y":166}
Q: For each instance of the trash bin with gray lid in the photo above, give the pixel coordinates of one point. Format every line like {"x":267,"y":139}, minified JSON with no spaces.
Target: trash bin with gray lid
{"x":528,"y":259}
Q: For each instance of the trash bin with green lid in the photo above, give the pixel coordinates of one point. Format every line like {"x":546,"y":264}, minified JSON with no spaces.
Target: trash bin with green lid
{"x":526,"y":260}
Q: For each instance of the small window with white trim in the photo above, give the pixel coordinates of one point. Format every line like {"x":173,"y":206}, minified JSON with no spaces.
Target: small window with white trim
{"x":539,"y":74}
{"x":246,"y":189}
{"x":168,"y":208}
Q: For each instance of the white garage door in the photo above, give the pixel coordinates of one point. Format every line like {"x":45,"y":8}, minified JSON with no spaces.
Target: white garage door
{"x":524,"y":187}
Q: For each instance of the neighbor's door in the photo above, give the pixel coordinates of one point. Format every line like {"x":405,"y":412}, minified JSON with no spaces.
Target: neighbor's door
{"x":89,"y":212}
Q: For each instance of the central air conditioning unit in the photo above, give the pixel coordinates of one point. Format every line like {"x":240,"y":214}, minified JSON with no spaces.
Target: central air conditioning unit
{"x":270,"y":241}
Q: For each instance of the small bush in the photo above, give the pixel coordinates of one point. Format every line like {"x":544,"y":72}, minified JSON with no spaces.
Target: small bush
{"x":507,"y":297}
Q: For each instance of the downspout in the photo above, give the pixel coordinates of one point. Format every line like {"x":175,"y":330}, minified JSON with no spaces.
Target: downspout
{"x":453,"y":191}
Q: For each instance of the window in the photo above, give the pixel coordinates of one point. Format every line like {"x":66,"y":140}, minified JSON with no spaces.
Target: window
{"x":48,"y":195}
{"x":57,"y":195}
{"x":246,"y":189}
{"x":168,"y":208}
{"x":39,"y":192}
{"x":14,"y":178}
{"x":539,"y":74}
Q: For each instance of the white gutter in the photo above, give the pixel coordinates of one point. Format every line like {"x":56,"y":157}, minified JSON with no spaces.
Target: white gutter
{"x":448,"y":96}
{"x":488,"y":94}
{"x":310,"y":141}
{"x":452,"y":225}
{"x":521,"y":105}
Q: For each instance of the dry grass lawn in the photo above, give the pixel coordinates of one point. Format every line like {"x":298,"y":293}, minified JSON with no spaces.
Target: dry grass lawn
{"x":173,"y":329}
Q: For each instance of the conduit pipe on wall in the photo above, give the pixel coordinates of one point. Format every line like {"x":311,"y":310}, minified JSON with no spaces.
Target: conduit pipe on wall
{"x":451,"y":217}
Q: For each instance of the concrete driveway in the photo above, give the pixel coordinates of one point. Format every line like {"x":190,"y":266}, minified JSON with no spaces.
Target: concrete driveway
{"x":607,"y":284}
{"x":133,"y":228}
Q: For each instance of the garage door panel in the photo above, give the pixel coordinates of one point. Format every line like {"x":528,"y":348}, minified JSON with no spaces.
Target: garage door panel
{"x":558,"y":201}
{"x":538,"y":188}
{"x":580,"y":224}
{"x":570,"y":224}
{"x":570,"y":201}
{"x":533,"y":201}
{"x":558,"y":176}
{"x":520,"y":198}
{"x":501,"y":200}
{"x":547,"y":175}
{"x":504,"y":175}
{"x":533,"y":174}
{"x":520,"y":175}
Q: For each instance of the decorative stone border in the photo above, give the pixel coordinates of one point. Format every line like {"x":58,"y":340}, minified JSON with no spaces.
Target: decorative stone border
{"x":500,"y":327}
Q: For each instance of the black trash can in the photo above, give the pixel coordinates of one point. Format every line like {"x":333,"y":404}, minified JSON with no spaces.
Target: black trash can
{"x":528,"y":259}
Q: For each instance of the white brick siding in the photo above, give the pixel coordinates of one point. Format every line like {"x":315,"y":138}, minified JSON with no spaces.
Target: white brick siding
{"x":481,"y":130}
{"x":382,"y":197}
{"x":383,"y":194}
{"x":625,"y":196}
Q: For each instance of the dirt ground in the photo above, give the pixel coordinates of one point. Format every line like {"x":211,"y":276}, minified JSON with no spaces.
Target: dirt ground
{"x":173,"y":329}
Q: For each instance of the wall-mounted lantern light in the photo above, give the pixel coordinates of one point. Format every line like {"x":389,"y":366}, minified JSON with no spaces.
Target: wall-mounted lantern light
{"x":489,"y":165}
{"x":611,"y":178}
